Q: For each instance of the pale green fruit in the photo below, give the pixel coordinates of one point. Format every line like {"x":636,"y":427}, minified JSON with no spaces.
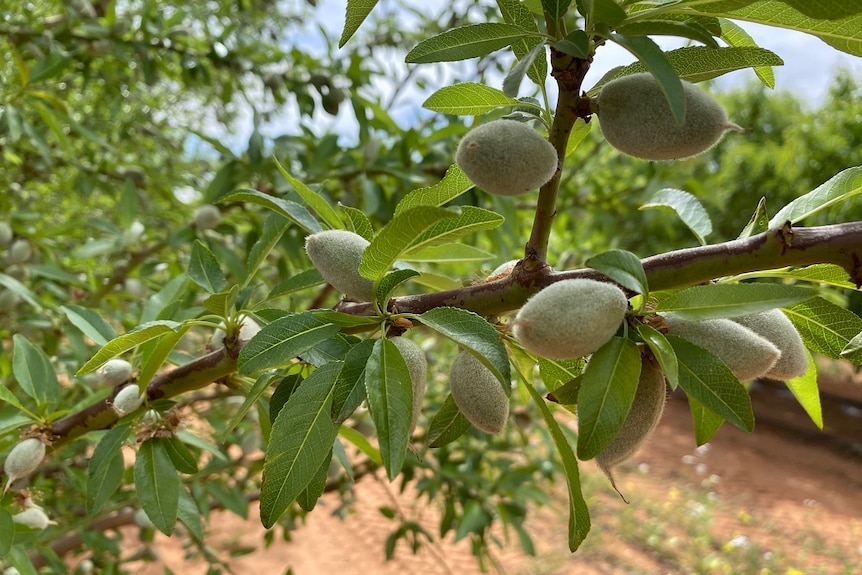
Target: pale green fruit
{"x":635,"y":118}
{"x":23,"y":460}
{"x":506,"y":158}
{"x":775,"y":327}
{"x":644,"y":415}
{"x":8,"y":300}
{"x":337,"y":254}
{"x":19,"y":252}
{"x":128,"y":400}
{"x":135,"y":288}
{"x":570,"y":318}
{"x":207,"y":217}
{"x":503,"y":270}
{"x":745,"y":353}
{"x":248,"y":330}
{"x":478,"y":394}
{"x":417,"y":365}
{"x":6,"y":234}
{"x":34,"y":518}
{"x":115,"y":371}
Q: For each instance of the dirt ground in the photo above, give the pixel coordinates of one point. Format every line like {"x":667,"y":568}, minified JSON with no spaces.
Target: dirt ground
{"x":773,"y":489}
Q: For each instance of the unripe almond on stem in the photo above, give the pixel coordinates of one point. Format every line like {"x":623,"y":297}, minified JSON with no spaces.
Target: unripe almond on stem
{"x":478,"y":393}
{"x":128,"y":400}
{"x":775,"y":327}
{"x":506,"y":158}
{"x":115,"y":371}
{"x":34,"y":518}
{"x":23,"y":460}
{"x":645,"y":413}
{"x":635,"y":118}
{"x":745,"y":353}
{"x":207,"y":217}
{"x":337,"y":254}
{"x":570,"y":318}
{"x":19,"y":252}
{"x":6,"y":234}
{"x":417,"y":365}
{"x":248,"y":330}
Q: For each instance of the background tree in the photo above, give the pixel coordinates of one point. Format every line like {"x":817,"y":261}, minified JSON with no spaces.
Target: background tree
{"x":116,"y":123}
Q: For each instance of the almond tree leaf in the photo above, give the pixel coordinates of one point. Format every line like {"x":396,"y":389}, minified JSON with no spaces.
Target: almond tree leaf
{"x":298,"y":282}
{"x":700,"y":63}
{"x":448,"y":253}
{"x":556,"y":373}
{"x":557,"y":9}
{"x":183,"y":459}
{"x":21,"y":290}
{"x":706,"y":422}
{"x":105,"y":468}
{"x":121,"y":344}
{"x":390,"y":398}
{"x":447,"y":425}
{"x":804,"y":389}
{"x":314,"y":200}
{"x":730,"y":300}
{"x":7,"y":532}
{"x":453,"y":184}
{"x":659,"y":27}
{"x":512,"y":81}
{"x":579,"y":514}
{"x":663,"y":352}
{"x":840,"y":187}
{"x":474,"y":334}
{"x":309,"y":496}
{"x":758,"y":223}
{"x":623,"y":267}
{"x":826,"y":328}
{"x":471,"y":219}
{"x":514,"y":12}
{"x":361,"y":443}
{"x":301,"y":439}
{"x":90,"y":323}
{"x":825,"y":10}
{"x":290,"y":210}
{"x":282,"y":340}
{"x":654,"y":60}
{"x":606,"y":393}
{"x":204,"y":269}
{"x":687,"y":207}
{"x":157,"y":484}
{"x":33,"y":372}
{"x":466,"y":42}
{"x":390,"y":283}
{"x":396,"y":237}
{"x":190,"y":515}
{"x":273,"y":229}
{"x":470,"y":99}
{"x":357,"y":12}
{"x":350,"y":384}
{"x":357,"y":222}
{"x":735,"y":35}
{"x":705,"y":377}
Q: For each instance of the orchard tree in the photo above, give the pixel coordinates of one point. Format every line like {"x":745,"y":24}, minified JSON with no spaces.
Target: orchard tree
{"x":216,"y":348}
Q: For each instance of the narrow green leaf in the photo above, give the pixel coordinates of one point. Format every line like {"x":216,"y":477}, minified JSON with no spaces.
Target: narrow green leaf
{"x":390,"y":398}
{"x":7,"y":532}
{"x":453,"y":184}
{"x":700,"y":63}
{"x":183,"y":459}
{"x":690,"y":30}
{"x":316,"y":202}
{"x":298,"y":282}
{"x":471,"y":219}
{"x":21,"y":290}
{"x":350,"y":385}
{"x":705,"y":377}
{"x":824,"y":274}
{"x":735,"y":35}
{"x":576,"y":44}
{"x":204,"y":268}
{"x":282,"y":340}
{"x":33,"y":371}
{"x":804,"y":389}
{"x":840,"y":187}
{"x":121,"y":344}
{"x":706,"y":422}
{"x":512,"y":81}
{"x":398,"y":235}
{"x":390,"y":283}
{"x":357,"y":12}
{"x":309,"y":496}
{"x":273,"y":229}
{"x":448,"y":253}
{"x":623,"y":267}
{"x":474,"y":334}
{"x":605,"y":12}
{"x":301,"y":439}
{"x":466,"y":42}
{"x":105,"y":468}
{"x":357,"y":222}
{"x":579,"y":514}
{"x":361,"y":443}
{"x":567,"y":394}
{"x":90,"y":323}
{"x":190,"y":515}
{"x":469,"y":99}
{"x":758,"y":223}
{"x":556,"y":9}
{"x":730,"y":300}
{"x":825,"y":10}
{"x":157,"y":484}
{"x":514,"y":12}
{"x":687,"y":207}
{"x":556,"y":373}
{"x":654,"y":60}
{"x":222,"y":302}
{"x":165,"y":299}
{"x":290,"y":210}
{"x":826,"y":328}
{"x":605,"y":397}
{"x":156,"y":352}
{"x":447,"y":425}
{"x":663,"y":352}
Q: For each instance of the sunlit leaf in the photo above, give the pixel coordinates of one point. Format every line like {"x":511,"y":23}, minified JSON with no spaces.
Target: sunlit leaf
{"x":466,"y":42}
{"x":730,"y":300}
{"x":687,"y":207}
